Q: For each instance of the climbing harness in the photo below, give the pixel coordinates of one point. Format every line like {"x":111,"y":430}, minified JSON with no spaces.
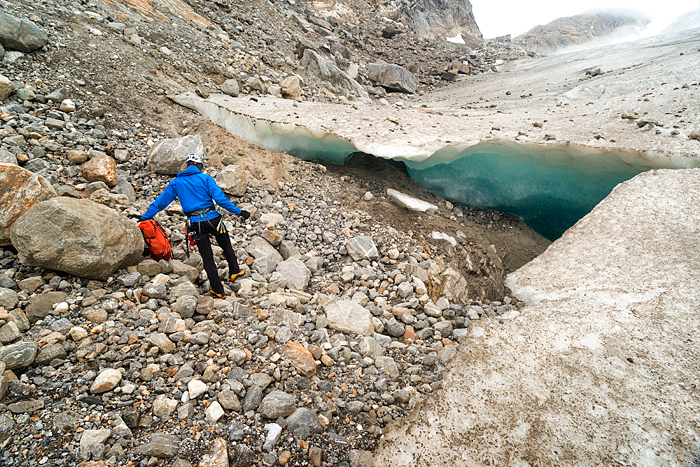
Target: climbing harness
{"x":190,"y":235}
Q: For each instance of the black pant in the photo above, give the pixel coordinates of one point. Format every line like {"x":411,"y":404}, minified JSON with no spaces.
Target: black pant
{"x":201,"y":232}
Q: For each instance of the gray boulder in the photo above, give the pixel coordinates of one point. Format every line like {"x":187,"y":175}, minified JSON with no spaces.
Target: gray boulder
{"x":20,"y":34}
{"x":18,"y":355}
{"x":42,"y":304}
{"x":348,"y":316}
{"x":266,"y":256}
{"x":303,"y":423}
{"x":6,"y":157}
{"x":360,"y":248}
{"x":76,"y":236}
{"x":59,"y":95}
{"x":162,"y":445}
{"x":8,"y":298}
{"x":324,"y":70}
{"x":123,"y":187}
{"x":393,"y":77}
{"x":295,"y":273}
{"x":20,"y":189}
{"x":277,"y":404}
{"x":168,"y":156}
{"x":232,"y":180}
{"x":230,"y":87}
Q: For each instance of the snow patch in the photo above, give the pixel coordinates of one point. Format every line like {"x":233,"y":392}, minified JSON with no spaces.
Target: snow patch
{"x":443,"y":236}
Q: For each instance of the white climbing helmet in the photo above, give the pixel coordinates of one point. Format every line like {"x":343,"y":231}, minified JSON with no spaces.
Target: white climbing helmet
{"x":194,"y":159}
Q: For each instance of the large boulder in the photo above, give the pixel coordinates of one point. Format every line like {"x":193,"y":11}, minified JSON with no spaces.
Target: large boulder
{"x":168,"y":156}
{"x":20,"y":34}
{"x":76,"y":236}
{"x":232,"y":180}
{"x":324,"y":70}
{"x":230,"y":87}
{"x":349,"y":316}
{"x":100,"y":169}
{"x":392,"y":77}
{"x":266,"y":256}
{"x":295,"y":273}
{"x":20,"y":189}
{"x":360,"y":248}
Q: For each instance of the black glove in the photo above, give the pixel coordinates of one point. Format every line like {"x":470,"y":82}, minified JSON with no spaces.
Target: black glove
{"x":244,"y":214}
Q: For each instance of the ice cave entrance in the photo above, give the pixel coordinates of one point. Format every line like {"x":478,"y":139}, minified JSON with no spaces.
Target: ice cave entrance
{"x":550,"y":189}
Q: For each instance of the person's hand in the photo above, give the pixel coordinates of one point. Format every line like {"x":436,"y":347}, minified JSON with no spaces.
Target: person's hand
{"x":244,"y":214}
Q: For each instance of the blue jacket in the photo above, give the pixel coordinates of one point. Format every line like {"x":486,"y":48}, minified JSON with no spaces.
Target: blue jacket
{"x":196,"y":191}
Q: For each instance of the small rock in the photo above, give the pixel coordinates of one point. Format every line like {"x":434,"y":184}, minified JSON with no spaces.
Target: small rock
{"x":106,"y":381}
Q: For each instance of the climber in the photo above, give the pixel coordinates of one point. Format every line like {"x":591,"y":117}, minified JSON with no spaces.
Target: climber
{"x":198,"y":193}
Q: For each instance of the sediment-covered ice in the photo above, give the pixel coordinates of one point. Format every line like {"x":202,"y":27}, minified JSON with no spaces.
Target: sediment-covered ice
{"x":600,"y":368}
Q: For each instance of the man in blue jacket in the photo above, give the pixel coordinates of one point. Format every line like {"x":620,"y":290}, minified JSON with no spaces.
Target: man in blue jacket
{"x":197,"y":193}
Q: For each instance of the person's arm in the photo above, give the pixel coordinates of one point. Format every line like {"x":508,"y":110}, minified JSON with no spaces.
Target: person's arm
{"x":161,"y":202}
{"x":220,"y":198}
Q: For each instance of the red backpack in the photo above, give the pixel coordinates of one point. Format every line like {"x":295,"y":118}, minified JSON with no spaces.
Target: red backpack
{"x":157,"y":243}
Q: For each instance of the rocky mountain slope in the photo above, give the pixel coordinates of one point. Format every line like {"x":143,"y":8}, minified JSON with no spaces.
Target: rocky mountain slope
{"x":350,"y":307}
{"x":584,"y":28}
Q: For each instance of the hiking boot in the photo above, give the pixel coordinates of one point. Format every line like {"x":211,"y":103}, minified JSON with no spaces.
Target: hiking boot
{"x":235,"y":276}
{"x":222,"y":296}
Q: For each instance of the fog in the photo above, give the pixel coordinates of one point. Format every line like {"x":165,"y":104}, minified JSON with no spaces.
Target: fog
{"x":498,"y":18}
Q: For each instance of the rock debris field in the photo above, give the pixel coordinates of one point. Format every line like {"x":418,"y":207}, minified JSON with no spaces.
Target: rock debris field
{"x":336,"y":339}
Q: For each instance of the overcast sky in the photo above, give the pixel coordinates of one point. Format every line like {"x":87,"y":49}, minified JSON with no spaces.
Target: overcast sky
{"x":500,"y":17}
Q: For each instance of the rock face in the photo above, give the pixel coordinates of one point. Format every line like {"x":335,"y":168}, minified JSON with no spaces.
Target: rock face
{"x":20,"y":34}
{"x":580,"y":29}
{"x":20,"y":189}
{"x":324,"y":70}
{"x":441,"y":18}
{"x":392,"y":77}
{"x":610,"y":303}
{"x":79,"y":237}
{"x":168,"y":156}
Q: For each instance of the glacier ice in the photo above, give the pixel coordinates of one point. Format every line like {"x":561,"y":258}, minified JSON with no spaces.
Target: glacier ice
{"x":549,"y":187}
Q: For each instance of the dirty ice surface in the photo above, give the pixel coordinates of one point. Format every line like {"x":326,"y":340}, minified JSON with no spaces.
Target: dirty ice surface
{"x":601,"y":366}
{"x":540,"y":139}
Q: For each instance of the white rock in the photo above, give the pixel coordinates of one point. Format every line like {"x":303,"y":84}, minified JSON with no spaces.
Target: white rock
{"x":409,"y":202}
{"x":214,"y":412}
{"x":196,"y":388}
{"x":67,"y":106}
{"x":106,"y":381}
{"x":77,"y":333}
{"x":349,"y":316}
